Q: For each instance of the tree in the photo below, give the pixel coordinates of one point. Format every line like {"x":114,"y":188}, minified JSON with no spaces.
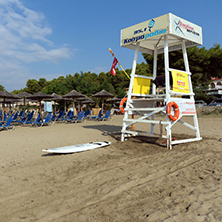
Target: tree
{"x":143,"y":69}
{"x":42,"y":82}
{"x":2,"y":88}
{"x":33,"y":86}
{"x":89,"y":84}
{"x":17,"y":91}
{"x":215,"y":60}
{"x":203,"y":64}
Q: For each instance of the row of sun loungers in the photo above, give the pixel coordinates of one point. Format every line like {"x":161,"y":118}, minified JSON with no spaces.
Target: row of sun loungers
{"x":27,"y":120}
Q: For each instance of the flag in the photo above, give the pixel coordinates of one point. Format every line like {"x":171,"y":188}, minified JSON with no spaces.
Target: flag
{"x":113,"y":70}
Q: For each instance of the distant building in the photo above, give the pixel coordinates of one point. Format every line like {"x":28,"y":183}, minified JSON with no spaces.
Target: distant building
{"x":215,"y":87}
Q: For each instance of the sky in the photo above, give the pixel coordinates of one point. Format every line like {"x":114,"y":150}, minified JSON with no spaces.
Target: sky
{"x":52,"y":38}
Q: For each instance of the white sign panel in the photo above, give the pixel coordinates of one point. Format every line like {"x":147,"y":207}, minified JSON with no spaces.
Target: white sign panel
{"x":149,"y":34}
{"x":186,"y":106}
{"x":185,"y":29}
{"x":149,"y":29}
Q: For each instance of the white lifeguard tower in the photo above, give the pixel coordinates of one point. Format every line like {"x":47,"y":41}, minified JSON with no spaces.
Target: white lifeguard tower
{"x":161,"y":35}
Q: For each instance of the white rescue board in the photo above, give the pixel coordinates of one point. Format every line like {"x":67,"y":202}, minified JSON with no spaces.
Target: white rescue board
{"x":78,"y":148}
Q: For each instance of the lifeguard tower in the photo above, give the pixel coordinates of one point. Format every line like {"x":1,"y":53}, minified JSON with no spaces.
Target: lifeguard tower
{"x":161,"y":35}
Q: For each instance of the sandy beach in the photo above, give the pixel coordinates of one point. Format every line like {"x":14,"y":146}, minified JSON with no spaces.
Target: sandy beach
{"x":135,"y":180}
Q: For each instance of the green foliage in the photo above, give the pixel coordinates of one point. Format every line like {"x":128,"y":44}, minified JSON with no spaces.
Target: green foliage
{"x":2,"y":88}
{"x":17,"y":91}
{"x":200,"y":94}
{"x":203,"y":63}
{"x":42,"y":82}
{"x":33,"y":86}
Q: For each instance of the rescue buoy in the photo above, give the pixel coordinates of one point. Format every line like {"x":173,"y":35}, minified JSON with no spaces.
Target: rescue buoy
{"x":176,"y":111}
{"x":121,"y":104}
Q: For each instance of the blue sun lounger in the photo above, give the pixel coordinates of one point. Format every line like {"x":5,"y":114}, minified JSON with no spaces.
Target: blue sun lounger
{"x":8,"y":124}
{"x":45,"y":122}
{"x":106,"y":117}
{"x":61,"y":115}
{"x":96,"y":117}
{"x":79,"y":118}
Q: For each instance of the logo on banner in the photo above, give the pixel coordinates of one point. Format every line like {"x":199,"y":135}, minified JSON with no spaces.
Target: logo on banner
{"x":177,"y":26}
{"x":181,"y":27}
{"x":146,"y":35}
{"x":150,"y":26}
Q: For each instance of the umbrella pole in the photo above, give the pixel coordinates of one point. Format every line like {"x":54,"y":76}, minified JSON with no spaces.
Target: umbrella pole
{"x":24,"y":103}
{"x":74,"y":106}
{"x":40,"y":108}
{"x":3,"y":110}
{"x":102,"y":106}
{"x":64,"y":105}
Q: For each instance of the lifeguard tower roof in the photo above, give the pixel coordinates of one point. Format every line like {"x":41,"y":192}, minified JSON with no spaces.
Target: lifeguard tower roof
{"x":150,"y":34}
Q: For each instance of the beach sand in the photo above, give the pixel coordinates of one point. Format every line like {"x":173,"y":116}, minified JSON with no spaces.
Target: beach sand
{"x":135,"y":180}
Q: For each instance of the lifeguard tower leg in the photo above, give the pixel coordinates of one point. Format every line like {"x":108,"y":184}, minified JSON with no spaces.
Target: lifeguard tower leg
{"x":186,"y":63}
{"x":130,"y":91}
{"x":153,"y":85}
{"x":167,"y":83}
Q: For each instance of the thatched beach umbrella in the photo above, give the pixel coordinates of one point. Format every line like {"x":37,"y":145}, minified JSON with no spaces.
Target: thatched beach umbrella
{"x":7,"y":95}
{"x":56,"y":96}
{"x":103,"y":94}
{"x":88,"y":101}
{"x":40,"y":96}
{"x":115,"y":100}
{"x":73,"y":95}
{"x":60,"y":98}
{"x":24,"y":95}
{"x":9,"y":102}
{"x":84,"y":100}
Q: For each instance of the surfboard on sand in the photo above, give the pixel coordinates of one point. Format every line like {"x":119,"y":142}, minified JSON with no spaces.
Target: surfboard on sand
{"x":78,"y":148}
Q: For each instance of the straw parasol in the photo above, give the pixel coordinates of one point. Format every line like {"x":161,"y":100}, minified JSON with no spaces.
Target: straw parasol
{"x":103,"y":94}
{"x":24,"y":95}
{"x":88,"y":101}
{"x":84,"y":99}
{"x":40,"y":96}
{"x":115,"y":99}
{"x":56,"y":96}
{"x":73,"y":95}
{"x":7,"y":95}
{"x":9,"y":102}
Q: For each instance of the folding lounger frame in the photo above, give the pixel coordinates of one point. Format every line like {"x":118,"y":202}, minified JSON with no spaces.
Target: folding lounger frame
{"x":161,"y":35}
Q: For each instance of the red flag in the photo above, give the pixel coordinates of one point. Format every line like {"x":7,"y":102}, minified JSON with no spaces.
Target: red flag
{"x":113,"y":70}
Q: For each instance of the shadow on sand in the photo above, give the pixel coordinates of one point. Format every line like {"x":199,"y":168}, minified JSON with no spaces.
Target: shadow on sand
{"x":115,"y":132}
{"x":107,"y":130}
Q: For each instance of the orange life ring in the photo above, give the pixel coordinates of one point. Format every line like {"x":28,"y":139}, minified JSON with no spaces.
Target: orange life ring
{"x":176,"y":111}
{"x":121,"y":104}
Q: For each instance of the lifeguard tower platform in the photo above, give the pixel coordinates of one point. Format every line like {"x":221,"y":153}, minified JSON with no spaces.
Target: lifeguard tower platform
{"x":161,"y":35}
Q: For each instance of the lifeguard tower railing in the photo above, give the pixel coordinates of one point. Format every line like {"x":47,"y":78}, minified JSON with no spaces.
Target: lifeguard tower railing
{"x":161,"y":35}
